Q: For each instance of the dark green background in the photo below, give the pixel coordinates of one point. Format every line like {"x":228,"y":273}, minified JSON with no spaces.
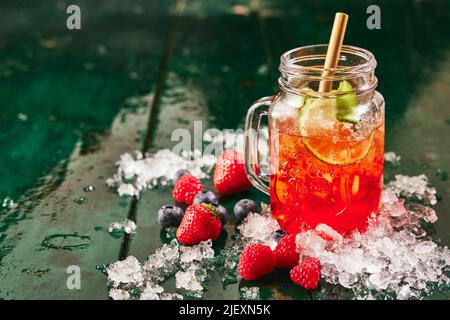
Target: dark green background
{"x":72,"y":101}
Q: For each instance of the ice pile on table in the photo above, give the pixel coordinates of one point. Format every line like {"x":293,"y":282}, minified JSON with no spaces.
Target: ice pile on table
{"x":136,"y":172}
{"x":129,"y":279}
{"x":126,"y":226}
{"x":395,"y":258}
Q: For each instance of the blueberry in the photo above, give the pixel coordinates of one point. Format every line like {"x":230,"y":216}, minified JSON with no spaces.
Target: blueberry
{"x":206,"y":197}
{"x":243,"y":208}
{"x":223,"y":213}
{"x":277,"y":235}
{"x":170,"y":216}
{"x":180,"y":173}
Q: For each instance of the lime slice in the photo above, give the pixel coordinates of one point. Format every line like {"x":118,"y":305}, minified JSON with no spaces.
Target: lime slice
{"x":330,"y":140}
{"x":316,"y":114}
{"x":347,"y":110}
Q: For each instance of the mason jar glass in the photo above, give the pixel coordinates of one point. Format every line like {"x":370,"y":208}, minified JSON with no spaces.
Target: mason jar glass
{"x":326,"y":148}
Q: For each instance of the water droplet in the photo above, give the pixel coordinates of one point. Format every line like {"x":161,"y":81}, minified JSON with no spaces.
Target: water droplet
{"x":89,"y":188}
{"x":442,"y":175}
{"x":7,"y":203}
{"x":425,"y":165}
{"x":68,"y":242}
{"x":22,"y":117}
{"x":80,"y":200}
{"x":35,"y":272}
{"x":102,"y":268}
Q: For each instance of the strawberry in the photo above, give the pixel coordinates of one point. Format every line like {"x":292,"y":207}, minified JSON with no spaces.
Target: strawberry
{"x":200,"y":223}
{"x":186,"y":188}
{"x":285,"y":253}
{"x":229,"y":174}
{"x":256,"y":260}
{"x":307,"y":273}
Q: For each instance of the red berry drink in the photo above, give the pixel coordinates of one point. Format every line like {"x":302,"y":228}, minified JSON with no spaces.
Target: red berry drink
{"x":335,"y":179}
{"x":326,"y":148}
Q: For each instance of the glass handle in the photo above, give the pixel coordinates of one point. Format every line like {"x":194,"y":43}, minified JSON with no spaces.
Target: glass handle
{"x":252,"y":125}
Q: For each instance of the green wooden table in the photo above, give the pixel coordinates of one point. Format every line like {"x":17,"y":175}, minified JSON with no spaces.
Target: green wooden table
{"x":72,"y":101}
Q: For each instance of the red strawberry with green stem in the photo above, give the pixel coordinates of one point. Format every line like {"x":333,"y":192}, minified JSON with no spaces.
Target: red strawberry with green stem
{"x":229,"y":174}
{"x":200,"y":223}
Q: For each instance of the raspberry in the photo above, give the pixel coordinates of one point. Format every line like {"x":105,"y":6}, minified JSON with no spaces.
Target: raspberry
{"x":307,"y":273}
{"x":286,"y":255}
{"x":186,"y":188}
{"x":256,"y":260}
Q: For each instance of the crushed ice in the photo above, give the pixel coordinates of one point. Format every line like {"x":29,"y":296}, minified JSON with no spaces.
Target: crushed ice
{"x":394,"y":258}
{"x":119,"y":294}
{"x":127,"y":226}
{"x":130,"y":279}
{"x":136,"y":171}
{"x":8,"y":203}
{"x":413,"y":188}
{"x":259,"y":228}
{"x":392,"y":157}
{"x":249,"y":293}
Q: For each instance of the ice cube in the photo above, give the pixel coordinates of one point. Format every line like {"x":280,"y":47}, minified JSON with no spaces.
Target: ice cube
{"x":310,"y":244}
{"x":8,"y":203}
{"x":198,"y":252}
{"x":422,"y":212}
{"x":170,"y":296}
{"x":119,"y":294}
{"x":127,"y":226}
{"x":388,"y":197}
{"x":328,"y":232}
{"x":190,"y":266}
{"x":230,"y":263}
{"x":392,"y":158}
{"x":258,"y":227}
{"x":380,"y":281}
{"x":424,"y":249}
{"x":190,"y":254}
{"x":164,"y":261}
{"x":249,"y":293}
{"x":127,"y":189}
{"x":137,"y":172}
{"x":288,"y":109}
{"x":414,"y":188}
{"x":404,"y":292}
{"x":189,"y":280}
{"x":346,"y":279}
{"x":265,"y":209}
{"x":127,"y":271}
{"x":151,"y":292}
{"x":206,"y":249}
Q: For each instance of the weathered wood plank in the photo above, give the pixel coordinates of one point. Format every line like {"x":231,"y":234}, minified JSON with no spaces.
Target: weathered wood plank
{"x":50,"y":231}
{"x":74,"y":93}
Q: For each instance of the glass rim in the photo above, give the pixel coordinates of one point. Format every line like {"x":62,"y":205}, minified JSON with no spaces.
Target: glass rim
{"x":289,"y":62}
{"x":362,"y":66}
